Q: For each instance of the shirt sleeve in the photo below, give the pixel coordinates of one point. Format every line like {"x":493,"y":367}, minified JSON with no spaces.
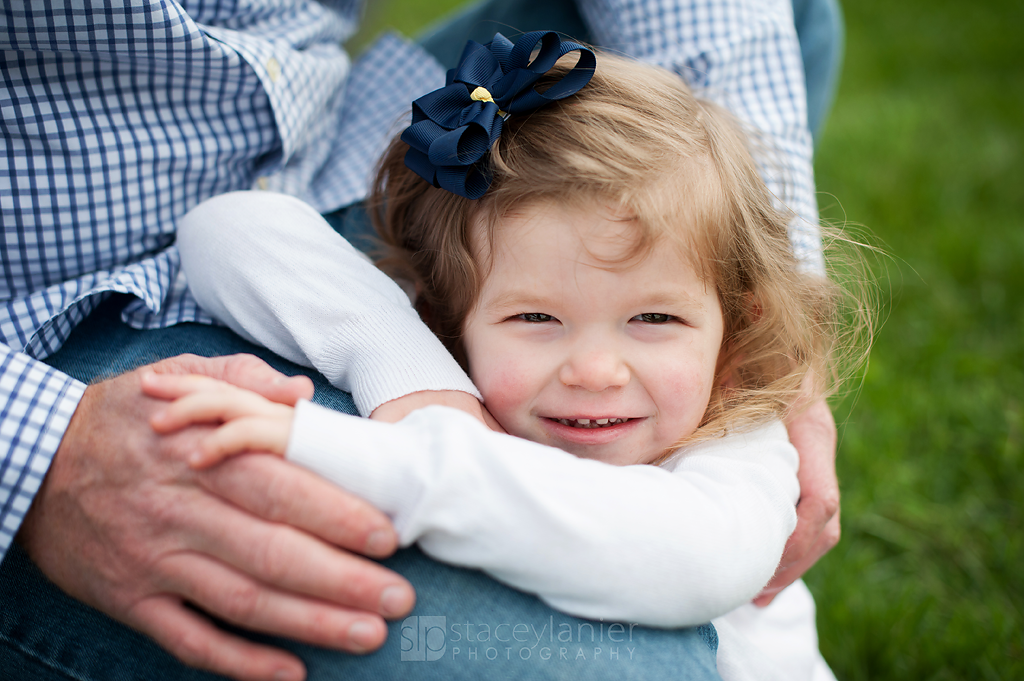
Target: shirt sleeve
{"x":662,"y":546}
{"x":36,"y":405}
{"x":272,"y":269}
{"x":745,"y":56}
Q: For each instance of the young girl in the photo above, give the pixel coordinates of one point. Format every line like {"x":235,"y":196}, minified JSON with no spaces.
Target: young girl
{"x":622,"y":291}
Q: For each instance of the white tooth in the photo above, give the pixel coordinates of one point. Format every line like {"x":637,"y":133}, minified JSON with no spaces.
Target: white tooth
{"x":583,"y":422}
{"x":602,"y":422}
{"x":564,"y":422}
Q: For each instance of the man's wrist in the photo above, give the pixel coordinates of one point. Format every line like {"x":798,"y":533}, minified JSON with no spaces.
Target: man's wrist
{"x":37,"y":417}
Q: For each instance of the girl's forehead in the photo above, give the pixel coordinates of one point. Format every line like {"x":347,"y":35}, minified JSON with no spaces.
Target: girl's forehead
{"x":556,"y":257}
{"x":598,"y":233}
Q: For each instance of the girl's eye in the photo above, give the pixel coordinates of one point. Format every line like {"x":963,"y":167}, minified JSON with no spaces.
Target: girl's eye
{"x":535,"y":317}
{"x":654,"y":318}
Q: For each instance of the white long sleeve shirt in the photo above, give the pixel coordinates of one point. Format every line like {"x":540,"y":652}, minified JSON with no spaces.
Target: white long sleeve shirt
{"x":675,"y":545}
{"x":668,"y":546}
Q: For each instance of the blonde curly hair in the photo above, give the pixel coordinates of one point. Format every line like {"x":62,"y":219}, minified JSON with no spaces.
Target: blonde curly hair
{"x":638,"y":139}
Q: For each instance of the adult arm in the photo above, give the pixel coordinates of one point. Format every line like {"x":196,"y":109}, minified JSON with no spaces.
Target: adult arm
{"x":639,"y":543}
{"x":272,"y":269}
{"x":744,"y":55}
{"x":36,"y":404}
{"x":813,"y":433}
{"x":122,"y":523}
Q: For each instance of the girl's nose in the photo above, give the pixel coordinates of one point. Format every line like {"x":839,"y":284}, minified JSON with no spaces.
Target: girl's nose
{"x":594,"y":370}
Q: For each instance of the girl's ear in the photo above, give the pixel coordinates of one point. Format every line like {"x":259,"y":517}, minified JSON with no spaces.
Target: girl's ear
{"x":752,"y":308}
{"x":725,"y":370}
{"x":729,"y":358}
{"x":422,"y":307}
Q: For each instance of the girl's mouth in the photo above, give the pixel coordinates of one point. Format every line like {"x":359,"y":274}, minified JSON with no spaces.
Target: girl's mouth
{"x":591,"y":423}
{"x":578,"y":435}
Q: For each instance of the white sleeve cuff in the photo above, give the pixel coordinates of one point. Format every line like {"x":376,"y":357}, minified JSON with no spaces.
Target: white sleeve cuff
{"x":390,"y":353}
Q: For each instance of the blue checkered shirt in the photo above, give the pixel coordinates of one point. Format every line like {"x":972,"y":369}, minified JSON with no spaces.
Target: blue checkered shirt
{"x":116,"y":122}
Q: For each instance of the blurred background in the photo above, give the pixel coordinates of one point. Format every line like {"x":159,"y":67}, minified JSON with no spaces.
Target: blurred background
{"x":925,"y":149}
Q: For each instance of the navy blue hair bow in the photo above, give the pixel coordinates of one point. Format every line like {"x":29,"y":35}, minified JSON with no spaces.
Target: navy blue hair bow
{"x":453,"y":128}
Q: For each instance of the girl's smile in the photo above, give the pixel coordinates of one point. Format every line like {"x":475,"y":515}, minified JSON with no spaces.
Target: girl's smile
{"x":585,"y":432}
{"x":574,"y":347}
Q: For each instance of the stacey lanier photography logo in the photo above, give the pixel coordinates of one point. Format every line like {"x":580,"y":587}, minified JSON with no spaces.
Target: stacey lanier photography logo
{"x":429,"y":638}
{"x":423,"y":638}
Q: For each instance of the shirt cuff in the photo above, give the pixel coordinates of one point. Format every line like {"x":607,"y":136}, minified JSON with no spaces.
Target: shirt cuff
{"x":38,"y":402}
{"x":388,"y":355}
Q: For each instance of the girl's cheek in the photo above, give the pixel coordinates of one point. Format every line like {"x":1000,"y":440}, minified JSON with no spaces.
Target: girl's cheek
{"x":505,"y":387}
{"x":687,"y":388}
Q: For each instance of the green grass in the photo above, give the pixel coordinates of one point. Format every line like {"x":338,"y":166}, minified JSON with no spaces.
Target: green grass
{"x":405,"y":16}
{"x":925,"y":147}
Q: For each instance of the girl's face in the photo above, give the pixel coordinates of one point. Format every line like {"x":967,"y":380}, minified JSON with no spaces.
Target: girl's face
{"x":606,"y":361}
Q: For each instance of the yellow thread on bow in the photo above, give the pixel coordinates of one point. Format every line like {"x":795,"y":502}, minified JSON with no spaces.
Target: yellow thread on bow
{"x":481,"y":95}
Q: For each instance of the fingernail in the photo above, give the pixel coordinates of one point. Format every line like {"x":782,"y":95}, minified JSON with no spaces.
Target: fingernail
{"x":362,"y":635}
{"x":380,"y":542}
{"x":287,"y":675}
{"x":394,"y":601}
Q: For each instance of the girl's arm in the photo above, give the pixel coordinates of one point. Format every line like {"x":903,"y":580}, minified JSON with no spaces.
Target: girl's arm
{"x":668,"y":546}
{"x":640,"y":543}
{"x":271,"y":268}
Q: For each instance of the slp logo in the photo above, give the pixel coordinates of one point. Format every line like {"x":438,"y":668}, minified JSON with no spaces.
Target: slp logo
{"x":423,"y":638}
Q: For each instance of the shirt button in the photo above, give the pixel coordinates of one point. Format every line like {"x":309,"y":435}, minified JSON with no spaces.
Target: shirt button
{"x":273,"y":69}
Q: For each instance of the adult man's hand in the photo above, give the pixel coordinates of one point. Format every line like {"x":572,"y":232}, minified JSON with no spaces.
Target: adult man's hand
{"x":813,"y":433}
{"x":123,"y":524}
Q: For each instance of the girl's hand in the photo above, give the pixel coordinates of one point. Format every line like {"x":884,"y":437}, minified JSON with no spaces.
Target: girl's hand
{"x":397,"y":409}
{"x":248,"y":422}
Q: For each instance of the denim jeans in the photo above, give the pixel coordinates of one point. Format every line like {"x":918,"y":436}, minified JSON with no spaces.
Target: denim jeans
{"x":465,"y":625}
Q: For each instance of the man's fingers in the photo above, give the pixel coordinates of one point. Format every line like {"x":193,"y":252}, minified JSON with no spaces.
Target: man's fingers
{"x":119,"y":500}
{"x":237,"y":598}
{"x":813,"y":433}
{"x":245,"y":371}
{"x":174,"y":386}
{"x":268,"y":551}
{"x":196,"y":641}
{"x":814,"y":514}
{"x":284,"y":493}
{"x":798,"y":558}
